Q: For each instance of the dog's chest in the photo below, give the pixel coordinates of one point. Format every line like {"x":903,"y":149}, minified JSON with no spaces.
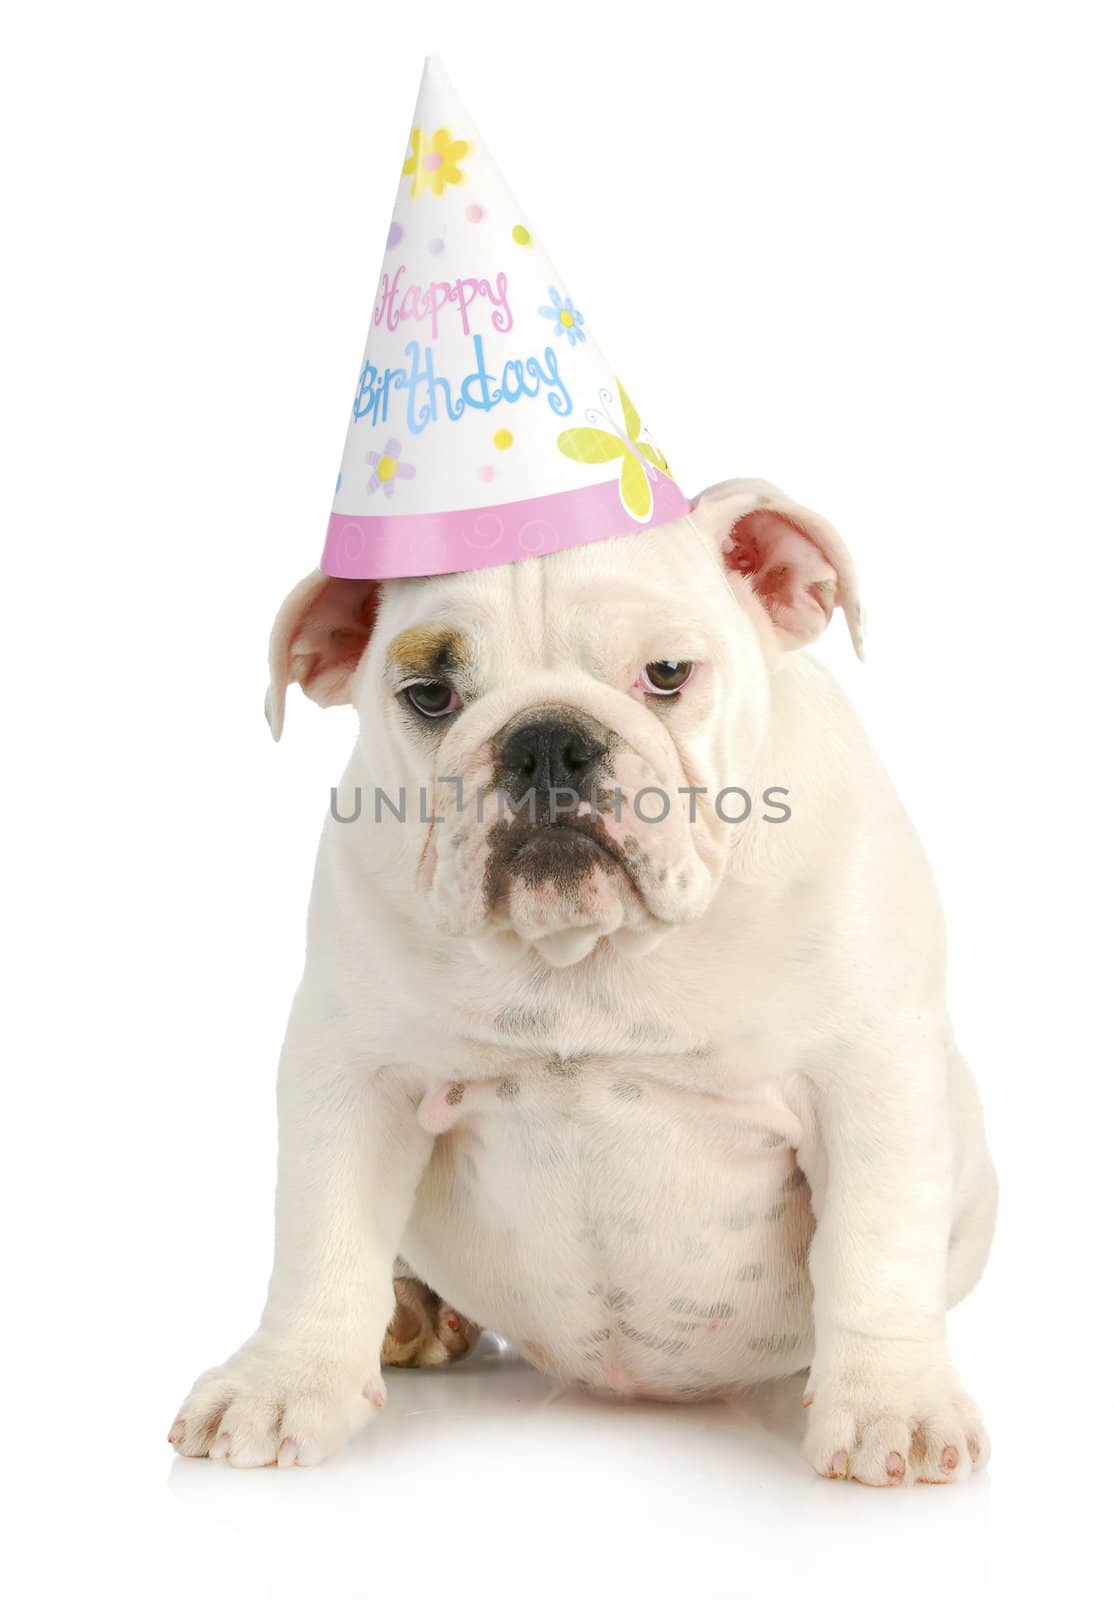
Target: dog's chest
{"x":630,"y":1222}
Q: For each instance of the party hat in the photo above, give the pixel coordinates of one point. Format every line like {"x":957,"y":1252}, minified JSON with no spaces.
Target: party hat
{"x":487,"y":425}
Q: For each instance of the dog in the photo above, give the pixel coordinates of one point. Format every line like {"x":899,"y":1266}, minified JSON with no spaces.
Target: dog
{"x":653,"y":1077}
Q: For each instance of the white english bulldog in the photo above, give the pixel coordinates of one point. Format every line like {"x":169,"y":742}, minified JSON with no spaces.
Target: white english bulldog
{"x":666,"y":1097}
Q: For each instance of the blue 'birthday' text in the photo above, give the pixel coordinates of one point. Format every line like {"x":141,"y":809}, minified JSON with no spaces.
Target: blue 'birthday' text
{"x":431,"y":398}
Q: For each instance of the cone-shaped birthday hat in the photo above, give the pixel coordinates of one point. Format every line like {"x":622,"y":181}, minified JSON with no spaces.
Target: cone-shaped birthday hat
{"x":487,"y":425}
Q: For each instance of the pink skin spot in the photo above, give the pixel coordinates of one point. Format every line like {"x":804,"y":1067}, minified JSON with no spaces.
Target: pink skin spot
{"x":949,"y":1458}
{"x":437,"y":1110}
{"x":713,"y":1327}
{"x":431,"y":161}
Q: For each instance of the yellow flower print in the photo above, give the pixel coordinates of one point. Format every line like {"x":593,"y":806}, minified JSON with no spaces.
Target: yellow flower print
{"x":639,"y":456}
{"x":434,"y":161}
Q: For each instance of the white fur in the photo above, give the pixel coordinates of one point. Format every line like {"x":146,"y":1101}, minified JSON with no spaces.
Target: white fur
{"x":607,"y":1123}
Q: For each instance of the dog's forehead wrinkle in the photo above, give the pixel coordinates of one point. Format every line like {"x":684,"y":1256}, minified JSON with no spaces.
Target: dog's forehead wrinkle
{"x":569,"y":609}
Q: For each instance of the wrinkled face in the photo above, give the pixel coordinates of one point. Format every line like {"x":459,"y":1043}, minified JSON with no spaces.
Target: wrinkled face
{"x":568,"y":711}
{"x":562,"y":726}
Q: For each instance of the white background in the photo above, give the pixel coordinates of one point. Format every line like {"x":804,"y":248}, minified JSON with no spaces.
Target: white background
{"x":859,"y":249}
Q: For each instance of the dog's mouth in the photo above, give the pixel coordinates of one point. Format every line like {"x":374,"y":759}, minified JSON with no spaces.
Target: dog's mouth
{"x":571,"y":834}
{"x":561,"y":854}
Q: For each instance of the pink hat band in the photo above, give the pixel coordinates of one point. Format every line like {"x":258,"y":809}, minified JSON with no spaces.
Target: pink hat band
{"x":457,"y":541}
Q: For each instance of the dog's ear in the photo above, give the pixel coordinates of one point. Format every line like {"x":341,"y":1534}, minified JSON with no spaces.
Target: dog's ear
{"x":795,"y":562}
{"x":320,"y":633}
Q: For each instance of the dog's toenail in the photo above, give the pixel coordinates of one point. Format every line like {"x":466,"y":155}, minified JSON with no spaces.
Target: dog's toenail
{"x":895,"y":1464}
{"x":177,"y":1432}
{"x":807,"y":1399}
{"x":288,"y":1453}
{"x":949,"y":1458}
{"x":453,"y":1322}
{"x":838,"y":1467}
{"x":222,"y":1448}
{"x":375,"y":1394}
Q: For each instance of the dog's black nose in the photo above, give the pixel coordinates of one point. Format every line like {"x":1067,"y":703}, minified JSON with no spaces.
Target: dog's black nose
{"x":550,"y":752}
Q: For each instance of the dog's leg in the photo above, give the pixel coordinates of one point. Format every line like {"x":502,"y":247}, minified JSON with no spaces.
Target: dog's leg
{"x":975,"y":1207}
{"x":424,"y":1331}
{"x":880,"y":1153}
{"x":351,"y":1154}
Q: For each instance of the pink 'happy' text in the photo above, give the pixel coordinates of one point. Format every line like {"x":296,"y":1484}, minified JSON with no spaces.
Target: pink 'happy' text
{"x":425,"y":302}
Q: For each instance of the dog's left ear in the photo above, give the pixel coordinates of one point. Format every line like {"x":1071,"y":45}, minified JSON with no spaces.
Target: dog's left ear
{"x":796,"y":563}
{"x":319,"y":636}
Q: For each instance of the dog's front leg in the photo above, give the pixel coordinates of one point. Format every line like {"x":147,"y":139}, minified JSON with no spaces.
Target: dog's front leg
{"x":351,"y":1153}
{"x":886,"y":1404}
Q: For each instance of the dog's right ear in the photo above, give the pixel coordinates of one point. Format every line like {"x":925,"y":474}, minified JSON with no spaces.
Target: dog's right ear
{"x":320,"y":633}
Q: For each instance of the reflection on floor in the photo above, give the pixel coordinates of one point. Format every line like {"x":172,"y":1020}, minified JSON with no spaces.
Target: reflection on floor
{"x":489,"y":1479}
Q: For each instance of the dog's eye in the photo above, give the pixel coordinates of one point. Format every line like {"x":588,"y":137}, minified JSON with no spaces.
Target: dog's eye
{"x":665,"y":677}
{"x":433,"y":699}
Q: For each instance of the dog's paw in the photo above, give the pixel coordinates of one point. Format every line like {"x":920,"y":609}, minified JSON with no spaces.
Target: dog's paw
{"x":263,"y":1407}
{"x":424,"y":1331}
{"x":922,"y":1429}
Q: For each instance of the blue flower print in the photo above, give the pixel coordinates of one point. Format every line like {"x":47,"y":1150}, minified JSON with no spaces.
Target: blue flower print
{"x":564,"y":315}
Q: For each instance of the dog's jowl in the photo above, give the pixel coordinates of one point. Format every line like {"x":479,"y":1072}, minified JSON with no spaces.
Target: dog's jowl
{"x":660,"y":1090}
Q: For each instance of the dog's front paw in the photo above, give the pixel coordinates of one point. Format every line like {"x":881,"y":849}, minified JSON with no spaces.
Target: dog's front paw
{"x":272,"y":1404}
{"x":890,"y":1429}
